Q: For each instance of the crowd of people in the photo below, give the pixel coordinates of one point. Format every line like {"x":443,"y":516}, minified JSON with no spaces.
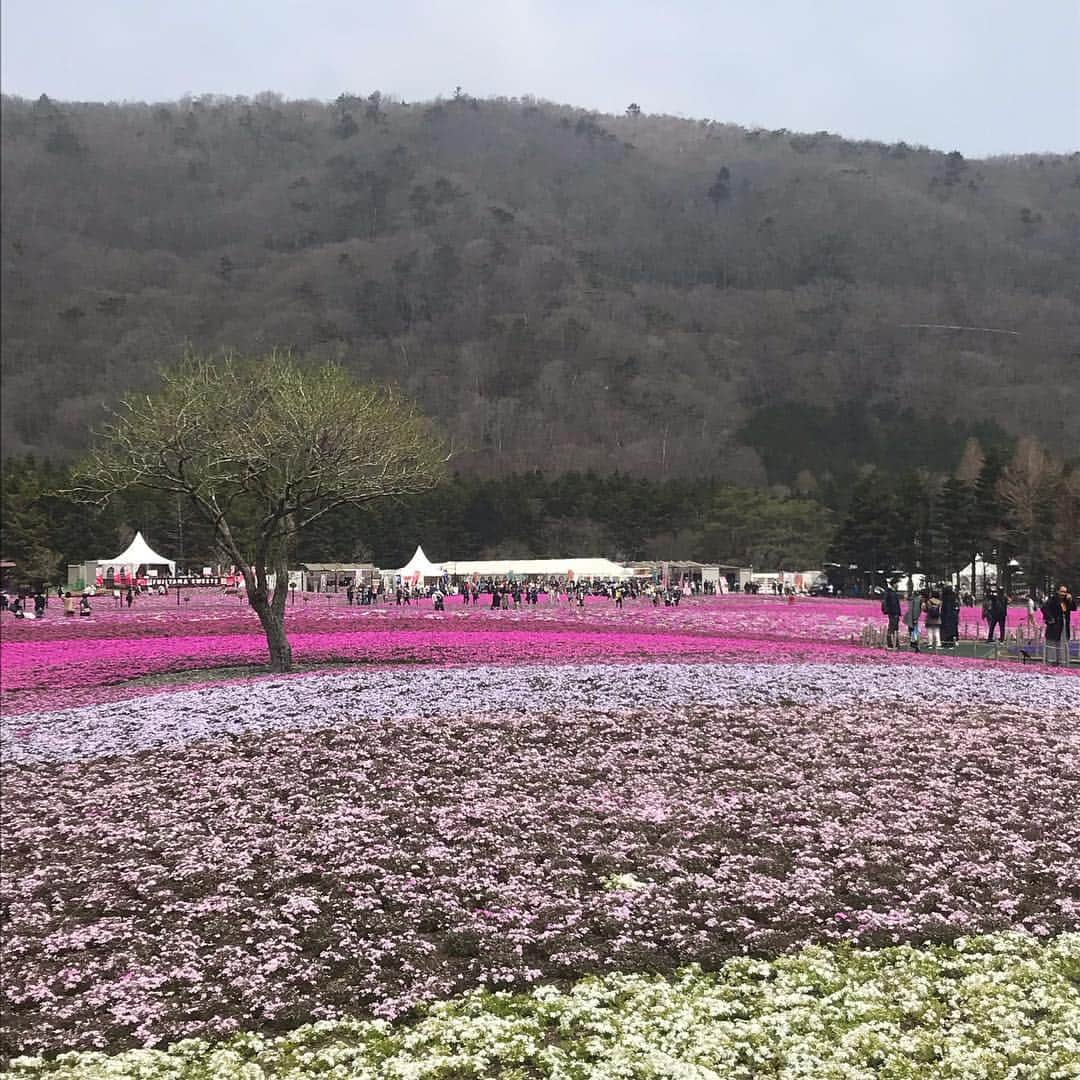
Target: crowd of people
{"x":930,"y":616}
{"x":937,"y":613}
{"x":34,"y":604}
{"x":506,"y":593}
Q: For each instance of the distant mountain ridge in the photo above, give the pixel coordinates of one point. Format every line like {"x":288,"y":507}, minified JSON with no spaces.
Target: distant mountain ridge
{"x":561,"y":289}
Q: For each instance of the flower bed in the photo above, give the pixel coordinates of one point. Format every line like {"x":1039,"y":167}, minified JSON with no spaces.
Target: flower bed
{"x":156,"y":720}
{"x":49,"y":672}
{"x":502,"y":799}
{"x":210,"y":613}
{"x":313,"y":847}
{"x":985,"y":1007}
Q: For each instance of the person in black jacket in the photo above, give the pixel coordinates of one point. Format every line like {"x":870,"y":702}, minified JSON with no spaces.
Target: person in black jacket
{"x":890,"y":607}
{"x":1056,"y":614}
{"x":997,"y":608}
{"x":950,"y":617}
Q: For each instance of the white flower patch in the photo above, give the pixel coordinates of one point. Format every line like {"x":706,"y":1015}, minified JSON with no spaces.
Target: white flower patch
{"x":1004,"y":1006}
{"x":304,"y":703}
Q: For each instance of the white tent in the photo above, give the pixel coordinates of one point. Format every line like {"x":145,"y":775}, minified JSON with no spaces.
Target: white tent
{"x":137,"y":554}
{"x":419,"y":567}
{"x":574,"y":569}
{"x":982,"y":569}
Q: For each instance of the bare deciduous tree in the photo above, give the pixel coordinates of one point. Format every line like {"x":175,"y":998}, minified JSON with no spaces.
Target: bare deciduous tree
{"x":262,"y":448}
{"x":1026,"y":489}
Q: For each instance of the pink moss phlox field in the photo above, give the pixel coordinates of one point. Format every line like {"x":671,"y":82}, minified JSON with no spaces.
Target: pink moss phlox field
{"x":342,"y":844}
{"x":60,"y":665}
{"x":496,"y":798}
{"x":211,"y":613}
{"x":64,"y":666}
{"x":276,"y":703}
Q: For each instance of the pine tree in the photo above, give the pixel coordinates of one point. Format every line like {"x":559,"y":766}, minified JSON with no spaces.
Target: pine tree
{"x":989,"y":513}
{"x":867,"y":537}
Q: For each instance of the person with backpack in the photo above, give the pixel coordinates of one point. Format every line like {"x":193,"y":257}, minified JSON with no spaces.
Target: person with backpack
{"x":933,"y":622}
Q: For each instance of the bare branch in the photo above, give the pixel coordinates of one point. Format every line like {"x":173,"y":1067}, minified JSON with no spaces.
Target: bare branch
{"x":297,"y":442}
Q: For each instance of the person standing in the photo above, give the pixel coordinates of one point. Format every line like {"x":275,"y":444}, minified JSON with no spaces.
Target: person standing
{"x":933,"y":621}
{"x":911,"y":620}
{"x":890,"y":607}
{"x":997,"y":609}
{"x":1056,"y":614}
{"x":950,"y":617}
{"x":1032,"y":607}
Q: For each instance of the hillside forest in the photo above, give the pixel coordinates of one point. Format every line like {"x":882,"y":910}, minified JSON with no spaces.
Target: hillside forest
{"x":564,"y":290}
{"x":633,"y":328}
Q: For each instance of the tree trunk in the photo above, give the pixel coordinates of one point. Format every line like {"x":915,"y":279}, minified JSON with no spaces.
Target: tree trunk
{"x":273,"y":624}
{"x":271,"y":609}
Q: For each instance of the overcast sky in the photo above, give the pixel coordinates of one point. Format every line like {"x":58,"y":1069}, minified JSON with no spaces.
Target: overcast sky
{"x":980,"y":76}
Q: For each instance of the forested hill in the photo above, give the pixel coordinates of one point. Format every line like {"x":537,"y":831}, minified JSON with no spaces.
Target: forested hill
{"x":562,"y":289}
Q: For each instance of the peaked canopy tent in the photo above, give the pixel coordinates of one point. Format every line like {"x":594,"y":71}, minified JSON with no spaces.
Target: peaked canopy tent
{"x":984,"y":571}
{"x":135,"y":561}
{"x":564,"y":569}
{"x":419,"y":568}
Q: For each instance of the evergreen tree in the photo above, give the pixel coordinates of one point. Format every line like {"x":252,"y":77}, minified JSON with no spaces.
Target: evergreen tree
{"x":867,"y":535}
{"x":956,"y":517}
{"x":989,"y":513}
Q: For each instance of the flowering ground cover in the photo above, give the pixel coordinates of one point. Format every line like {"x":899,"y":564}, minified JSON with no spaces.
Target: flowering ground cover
{"x":370,"y":860}
{"x":210,"y":613}
{"x":301,"y":703}
{"x":518,"y":801}
{"x":65,"y":662}
{"x":982,"y":1007}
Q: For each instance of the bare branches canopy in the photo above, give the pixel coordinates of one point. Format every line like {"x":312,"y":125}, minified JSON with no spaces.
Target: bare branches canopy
{"x":262,"y":447}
